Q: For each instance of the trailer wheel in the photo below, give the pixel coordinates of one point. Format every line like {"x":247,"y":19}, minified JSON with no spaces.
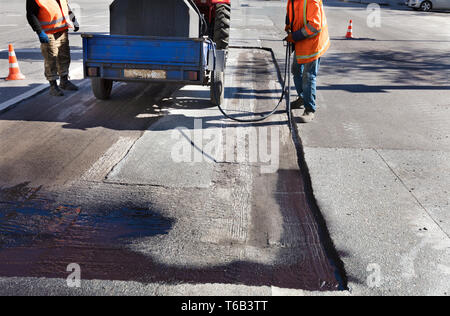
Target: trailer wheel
{"x":217,"y":88}
{"x":222,"y":26}
{"x":102,"y":88}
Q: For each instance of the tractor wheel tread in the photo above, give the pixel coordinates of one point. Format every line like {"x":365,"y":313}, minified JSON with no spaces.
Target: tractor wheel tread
{"x":222,"y":26}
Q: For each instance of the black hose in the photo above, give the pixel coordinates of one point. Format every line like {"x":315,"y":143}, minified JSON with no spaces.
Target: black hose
{"x":203,"y":23}
{"x":283,"y":93}
{"x":286,"y":78}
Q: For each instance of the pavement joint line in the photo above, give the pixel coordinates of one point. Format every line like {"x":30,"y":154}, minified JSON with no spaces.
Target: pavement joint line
{"x":142,"y":185}
{"x":105,"y":179}
{"x":11,"y":103}
{"x":325,"y":236}
{"x":411,"y":193}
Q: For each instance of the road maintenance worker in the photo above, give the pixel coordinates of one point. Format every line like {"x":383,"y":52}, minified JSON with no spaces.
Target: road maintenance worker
{"x":51,"y":19}
{"x":307,"y":29}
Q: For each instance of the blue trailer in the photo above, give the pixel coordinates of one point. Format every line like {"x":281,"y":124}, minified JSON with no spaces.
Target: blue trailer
{"x":167,"y":60}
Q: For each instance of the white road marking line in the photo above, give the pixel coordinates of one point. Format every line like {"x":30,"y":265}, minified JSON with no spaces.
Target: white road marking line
{"x":9,"y":25}
{"x":6,"y":105}
{"x":30,"y":93}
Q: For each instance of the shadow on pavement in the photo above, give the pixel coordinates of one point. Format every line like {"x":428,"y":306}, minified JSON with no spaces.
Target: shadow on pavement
{"x":398,"y":67}
{"x":131,"y":107}
{"x":361,"y":88}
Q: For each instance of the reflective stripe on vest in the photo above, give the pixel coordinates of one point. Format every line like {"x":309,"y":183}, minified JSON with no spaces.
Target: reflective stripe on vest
{"x":56,"y":29}
{"x":315,"y":54}
{"x":63,"y":19}
{"x":53,"y":16}
{"x":306,"y":24}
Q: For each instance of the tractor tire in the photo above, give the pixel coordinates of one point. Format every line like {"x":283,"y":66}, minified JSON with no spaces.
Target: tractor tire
{"x":222,"y":26}
{"x":217,"y":88}
{"x":102,"y":88}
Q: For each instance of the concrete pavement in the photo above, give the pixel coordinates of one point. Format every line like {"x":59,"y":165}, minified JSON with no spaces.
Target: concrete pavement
{"x":377,"y":157}
{"x":382,"y":135}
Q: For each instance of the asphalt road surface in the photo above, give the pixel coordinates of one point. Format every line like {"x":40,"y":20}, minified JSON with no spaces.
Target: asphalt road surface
{"x":96,"y":183}
{"x":103,"y":184}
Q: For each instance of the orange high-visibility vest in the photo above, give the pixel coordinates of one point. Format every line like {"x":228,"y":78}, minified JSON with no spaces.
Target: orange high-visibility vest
{"x":309,"y":18}
{"x":53,"y":17}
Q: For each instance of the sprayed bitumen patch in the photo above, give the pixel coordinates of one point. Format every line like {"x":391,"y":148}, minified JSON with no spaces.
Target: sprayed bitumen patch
{"x":39,"y":238}
{"x":26,"y":223}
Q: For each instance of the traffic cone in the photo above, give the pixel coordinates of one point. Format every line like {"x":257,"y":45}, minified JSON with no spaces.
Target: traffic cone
{"x":350,"y":31}
{"x":14,"y":71}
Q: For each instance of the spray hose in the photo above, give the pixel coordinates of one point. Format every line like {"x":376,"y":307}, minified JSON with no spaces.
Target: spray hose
{"x":285,"y":93}
{"x":287,"y":77}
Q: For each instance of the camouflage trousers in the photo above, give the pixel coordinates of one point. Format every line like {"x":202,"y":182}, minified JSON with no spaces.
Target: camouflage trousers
{"x":56,"y":56}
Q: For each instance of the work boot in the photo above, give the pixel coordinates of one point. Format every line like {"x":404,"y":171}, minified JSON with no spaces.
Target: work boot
{"x":67,"y":85}
{"x":307,"y":117}
{"x":54,"y":89}
{"x":298,"y":104}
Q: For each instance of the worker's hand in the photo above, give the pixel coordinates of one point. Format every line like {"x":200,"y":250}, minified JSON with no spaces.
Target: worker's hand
{"x":289,"y":38}
{"x":287,"y":28}
{"x":43,"y":38}
{"x":76,"y":26}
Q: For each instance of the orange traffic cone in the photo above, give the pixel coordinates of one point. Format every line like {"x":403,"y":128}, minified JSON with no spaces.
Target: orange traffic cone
{"x":14,"y":71}
{"x":350,"y":31}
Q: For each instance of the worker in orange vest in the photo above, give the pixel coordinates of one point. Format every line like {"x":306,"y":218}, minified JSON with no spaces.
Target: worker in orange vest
{"x":307,"y":29}
{"x":51,"y":19}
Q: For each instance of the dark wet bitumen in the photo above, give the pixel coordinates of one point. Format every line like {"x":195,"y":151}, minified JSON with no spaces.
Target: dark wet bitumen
{"x":22,"y":224}
{"x":40,"y":238}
